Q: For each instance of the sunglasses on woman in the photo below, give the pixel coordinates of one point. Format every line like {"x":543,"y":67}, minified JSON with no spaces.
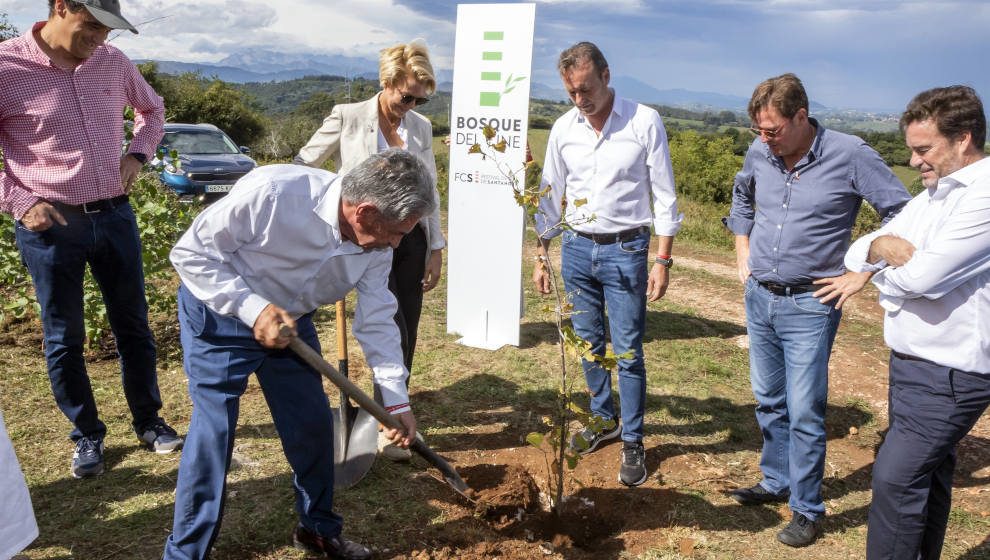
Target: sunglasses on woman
{"x":407,"y":99}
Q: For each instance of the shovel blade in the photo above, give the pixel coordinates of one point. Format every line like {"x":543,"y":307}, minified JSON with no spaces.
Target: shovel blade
{"x":355,"y":445}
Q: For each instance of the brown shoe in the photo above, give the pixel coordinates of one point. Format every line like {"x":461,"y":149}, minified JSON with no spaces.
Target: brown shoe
{"x":337,"y":547}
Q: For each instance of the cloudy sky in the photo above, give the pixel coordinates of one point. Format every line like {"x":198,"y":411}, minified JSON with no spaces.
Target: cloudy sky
{"x":872,"y":54}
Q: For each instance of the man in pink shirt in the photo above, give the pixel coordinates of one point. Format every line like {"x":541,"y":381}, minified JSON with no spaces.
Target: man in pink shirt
{"x":61,"y":130}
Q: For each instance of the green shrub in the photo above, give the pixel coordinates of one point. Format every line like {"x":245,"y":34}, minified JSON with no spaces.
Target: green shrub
{"x":703,"y":223}
{"x":161,"y":221}
{"x":704,"y":167}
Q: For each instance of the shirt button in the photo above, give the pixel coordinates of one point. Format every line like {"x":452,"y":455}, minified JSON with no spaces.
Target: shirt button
{"x":775,"y":270}
{"x":788,"y":183}
{"x":774,"y":249}
{"x":785,"y":206}
{"x":780,"y":226}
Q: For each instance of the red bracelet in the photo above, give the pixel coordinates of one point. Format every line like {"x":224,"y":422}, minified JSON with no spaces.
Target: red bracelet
{"x":396,"y":407}
{"x":663,"y":256}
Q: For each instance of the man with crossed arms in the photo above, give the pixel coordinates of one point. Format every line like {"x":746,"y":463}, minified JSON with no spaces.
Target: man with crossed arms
{"x":932,"y":264}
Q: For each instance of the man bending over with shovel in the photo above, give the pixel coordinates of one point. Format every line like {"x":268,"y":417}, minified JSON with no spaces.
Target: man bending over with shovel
{"x":286,"y":240}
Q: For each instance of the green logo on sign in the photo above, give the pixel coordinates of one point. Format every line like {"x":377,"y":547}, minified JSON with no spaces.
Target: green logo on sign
{"x":493,"y":98}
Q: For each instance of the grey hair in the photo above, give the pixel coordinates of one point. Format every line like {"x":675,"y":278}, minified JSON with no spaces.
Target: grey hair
{"x":395,"y":181}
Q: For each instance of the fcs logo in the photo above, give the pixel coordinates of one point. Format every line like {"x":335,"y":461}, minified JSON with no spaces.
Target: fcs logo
{"x":490,"y":60}
{"x":466,"y":177}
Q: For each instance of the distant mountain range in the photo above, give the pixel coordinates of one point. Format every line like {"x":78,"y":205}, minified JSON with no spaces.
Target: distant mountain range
{"x":260,"y":65}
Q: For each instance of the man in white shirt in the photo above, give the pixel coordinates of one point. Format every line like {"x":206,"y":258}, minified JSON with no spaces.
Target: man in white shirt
{"x":609,"y":156}
{"x":284,"y":241}
{"x":932,"y":264}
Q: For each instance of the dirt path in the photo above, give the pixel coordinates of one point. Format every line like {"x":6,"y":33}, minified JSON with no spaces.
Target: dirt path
{"x":857,"y":372}
{"x":853,"y":372}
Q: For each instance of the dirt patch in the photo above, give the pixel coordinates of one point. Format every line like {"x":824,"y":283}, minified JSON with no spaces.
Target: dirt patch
{"x":505,"y":494}
{"x":509,"y":501}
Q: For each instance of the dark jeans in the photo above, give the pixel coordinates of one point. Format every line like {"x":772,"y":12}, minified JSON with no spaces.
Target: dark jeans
{"x":219,"y":355}
{"x":406,"y":284}
{"x":56,"y":258}
{"x":931,"y":408}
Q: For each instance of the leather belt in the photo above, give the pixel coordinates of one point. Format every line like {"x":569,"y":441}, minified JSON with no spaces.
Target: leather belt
{"x":785,"y":290}
{"x":94,"y":207}
{"x":909,"y":357}
{"x":609,"y":238}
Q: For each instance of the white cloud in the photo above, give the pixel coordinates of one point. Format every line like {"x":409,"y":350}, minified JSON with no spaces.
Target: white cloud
{"x":849,"y":52}
{"x":186,"y":30}
{"x":611,"y":6}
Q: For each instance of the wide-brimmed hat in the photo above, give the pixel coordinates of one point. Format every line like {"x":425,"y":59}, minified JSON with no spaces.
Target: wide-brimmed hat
{"x":107,"y":12}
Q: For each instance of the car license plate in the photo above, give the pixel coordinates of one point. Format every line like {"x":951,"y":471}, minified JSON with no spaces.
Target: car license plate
{"x":218,"y":188}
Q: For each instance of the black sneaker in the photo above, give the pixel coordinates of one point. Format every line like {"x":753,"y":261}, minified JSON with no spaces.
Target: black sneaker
{"x":756,"y":495}
{"x":159,"y":436}
{"x":88,"y":457}
{"x":586,"y":440}
{"x":633,"y":469}
{"x":328,"y":547}
{"x":801,"y":531}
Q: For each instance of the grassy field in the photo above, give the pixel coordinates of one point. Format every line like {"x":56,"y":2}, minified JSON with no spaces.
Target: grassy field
{"x":471,"y":403}
{"x":907,"y":175}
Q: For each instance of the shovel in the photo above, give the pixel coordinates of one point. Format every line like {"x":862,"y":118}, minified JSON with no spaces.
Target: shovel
{"x":355,"y":440}
{"x":313,"y":358}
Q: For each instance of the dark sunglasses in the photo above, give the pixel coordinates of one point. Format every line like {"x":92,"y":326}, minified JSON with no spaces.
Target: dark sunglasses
{"x":407,"y":99}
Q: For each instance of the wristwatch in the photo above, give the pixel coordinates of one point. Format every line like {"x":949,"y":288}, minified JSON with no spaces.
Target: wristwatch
{"x":666,"y":261}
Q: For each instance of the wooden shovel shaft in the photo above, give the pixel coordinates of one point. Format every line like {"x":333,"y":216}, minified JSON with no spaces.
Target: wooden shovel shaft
{"x":341,"y":332}
{"x":316,"y":361}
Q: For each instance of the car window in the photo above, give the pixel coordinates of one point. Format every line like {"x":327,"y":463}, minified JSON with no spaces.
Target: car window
{"x":198,"y":142}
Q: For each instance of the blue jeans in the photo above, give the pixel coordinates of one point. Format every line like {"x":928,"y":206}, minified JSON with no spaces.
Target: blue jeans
{"x":790,"y":339}
{"x":610,"y":276}
{"x":220,"y":353}
{"x":56,"y":258}
{"x":931,"y":408}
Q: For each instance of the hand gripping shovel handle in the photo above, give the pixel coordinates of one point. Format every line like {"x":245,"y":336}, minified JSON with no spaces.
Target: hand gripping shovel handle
{"x":316,"y":361}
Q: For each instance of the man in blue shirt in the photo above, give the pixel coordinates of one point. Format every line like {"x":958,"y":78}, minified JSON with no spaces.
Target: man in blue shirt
{"x":793,"y":207}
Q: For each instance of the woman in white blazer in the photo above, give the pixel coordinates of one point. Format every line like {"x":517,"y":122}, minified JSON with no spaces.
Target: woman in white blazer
{"x":354,"y":131}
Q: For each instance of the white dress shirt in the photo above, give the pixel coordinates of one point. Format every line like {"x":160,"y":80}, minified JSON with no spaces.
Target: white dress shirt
{"x":617,"y":173}
{"x":938,"y":304}
{"x":401,"y":131}
{"x":275,"y":238}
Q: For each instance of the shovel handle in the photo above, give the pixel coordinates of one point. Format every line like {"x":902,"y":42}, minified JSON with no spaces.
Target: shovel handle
{"x":341,"y":330}
{"x":316,"y":361}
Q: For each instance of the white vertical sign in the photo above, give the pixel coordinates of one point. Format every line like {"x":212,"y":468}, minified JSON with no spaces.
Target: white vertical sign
{"x":493,"y":54}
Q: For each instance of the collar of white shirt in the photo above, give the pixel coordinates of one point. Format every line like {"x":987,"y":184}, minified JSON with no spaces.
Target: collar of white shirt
{"x":967,"y":175}
{"x":618,"y":108}
{"x":327,"y":208}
